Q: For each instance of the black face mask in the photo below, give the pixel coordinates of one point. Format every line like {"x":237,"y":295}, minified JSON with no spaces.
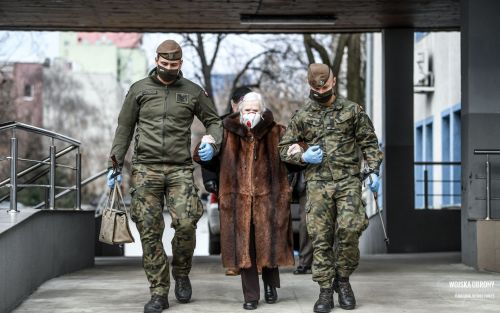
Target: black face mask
{"x":321,"y":97}
{"x":167,"y":75}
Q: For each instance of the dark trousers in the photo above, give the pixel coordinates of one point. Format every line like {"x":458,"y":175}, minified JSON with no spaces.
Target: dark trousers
{"x":250,"y":276}
{"x":305,"y":245}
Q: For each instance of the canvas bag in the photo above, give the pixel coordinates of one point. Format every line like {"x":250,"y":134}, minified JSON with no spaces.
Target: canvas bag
{"x":114,"y":225}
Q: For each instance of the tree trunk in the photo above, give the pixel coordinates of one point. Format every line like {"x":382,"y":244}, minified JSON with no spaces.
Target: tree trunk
{"x":206,"y":69}
{"x":355,"y":92}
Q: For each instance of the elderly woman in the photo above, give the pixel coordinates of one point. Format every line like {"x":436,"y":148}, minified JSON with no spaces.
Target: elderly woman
{"x":254,"y":196}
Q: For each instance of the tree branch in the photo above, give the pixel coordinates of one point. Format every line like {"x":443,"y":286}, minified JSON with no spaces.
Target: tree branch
{"x":310,"y":55}
{"x":220,"y":37}
{"x":323,"y":54}
{"x":339,"y":53}
{"x":247,"y":65}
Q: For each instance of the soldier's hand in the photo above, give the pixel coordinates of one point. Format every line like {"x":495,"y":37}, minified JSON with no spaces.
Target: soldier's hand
{"x":111,"y":178}
{"x":313,"y":155}
{"x":206,"y":151}
{"x":373,"y":182}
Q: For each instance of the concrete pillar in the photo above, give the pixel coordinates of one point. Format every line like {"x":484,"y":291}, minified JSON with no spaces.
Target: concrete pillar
{"x":480,"y":115}
{"x":398,"y":133}
{"x":409,"y":230}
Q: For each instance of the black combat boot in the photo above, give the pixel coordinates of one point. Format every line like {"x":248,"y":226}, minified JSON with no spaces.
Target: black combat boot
{"x":342,"y":286}
{"x":183,"y":289}
{"x":156,"y":305}
{"x":270,"y":293}
{"x":325,"y":301}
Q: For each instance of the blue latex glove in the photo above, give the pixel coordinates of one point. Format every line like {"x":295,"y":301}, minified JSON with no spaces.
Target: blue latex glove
{"x":206,"y":151}
{"x":313,"y":155}
{"x":111,"y":181}
{"x":373,"y":182}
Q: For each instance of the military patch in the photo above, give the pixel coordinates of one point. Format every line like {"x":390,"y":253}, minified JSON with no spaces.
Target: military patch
{"x":182,"y":98}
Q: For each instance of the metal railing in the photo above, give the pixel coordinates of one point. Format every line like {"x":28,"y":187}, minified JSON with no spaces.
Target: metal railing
{"x":428,"y":182}
{"x":487,"y":164}
{"x":51,"y":161}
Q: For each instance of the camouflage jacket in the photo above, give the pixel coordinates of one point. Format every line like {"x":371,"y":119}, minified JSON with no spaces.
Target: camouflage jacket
{"x":161,"y":117}
{"x":341,"y":131}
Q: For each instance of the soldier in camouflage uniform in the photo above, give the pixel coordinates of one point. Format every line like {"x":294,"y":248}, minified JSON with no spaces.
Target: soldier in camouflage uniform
{"x":326,"y":136}
{"x":160,"y":109}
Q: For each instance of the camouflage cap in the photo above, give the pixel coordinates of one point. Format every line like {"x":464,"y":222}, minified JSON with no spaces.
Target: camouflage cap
{"x":170,"y":50}
{"x":318,"y":74}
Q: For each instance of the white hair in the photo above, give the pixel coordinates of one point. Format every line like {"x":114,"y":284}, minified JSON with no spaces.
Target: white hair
{"x":252,"y":97}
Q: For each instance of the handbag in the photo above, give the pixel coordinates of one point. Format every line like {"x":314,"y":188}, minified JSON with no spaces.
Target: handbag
{"x":114,"y":225}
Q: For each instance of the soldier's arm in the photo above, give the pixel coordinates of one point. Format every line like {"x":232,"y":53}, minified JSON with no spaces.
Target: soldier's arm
{"x":205,"y":111}
{"x":127,"y":120}
{"x":292,"y":135}
{"x":367,"y":140}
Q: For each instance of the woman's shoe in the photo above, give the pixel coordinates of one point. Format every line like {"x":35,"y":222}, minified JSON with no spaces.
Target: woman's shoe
{"x":270,"y":294}
{"x":251,"y":305}
{"x":232,"y":272}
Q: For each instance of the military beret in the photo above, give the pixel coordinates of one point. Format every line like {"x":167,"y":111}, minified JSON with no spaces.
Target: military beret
{"x":170,"y":50}
{"x":318,"y":74}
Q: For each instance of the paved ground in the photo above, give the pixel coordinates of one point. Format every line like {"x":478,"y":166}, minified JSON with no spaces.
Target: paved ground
{"x":383,"y":283}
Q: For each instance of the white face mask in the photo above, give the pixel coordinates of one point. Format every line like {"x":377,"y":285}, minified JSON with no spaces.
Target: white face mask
{"x":250,"y":119}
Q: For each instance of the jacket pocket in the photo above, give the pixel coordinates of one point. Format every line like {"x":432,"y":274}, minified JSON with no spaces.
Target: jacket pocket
{"x":343,"y":122}
{"x":312,"y":129}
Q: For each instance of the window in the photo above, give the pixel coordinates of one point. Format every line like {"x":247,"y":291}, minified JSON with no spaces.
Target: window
{"x":446,"y":157}
{"x":450,"y":150}
{"x":428,"y":133}
{"x":28,"y":92}
{"x":456,"y":148}
{"x":419,"y":173}
{"x":423,"y":153}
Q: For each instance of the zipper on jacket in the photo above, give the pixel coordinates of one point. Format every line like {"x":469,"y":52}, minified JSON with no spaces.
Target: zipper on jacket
{"x":164,"y":122}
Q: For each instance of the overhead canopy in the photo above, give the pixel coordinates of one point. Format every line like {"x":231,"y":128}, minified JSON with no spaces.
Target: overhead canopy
{"x":265,"y":16}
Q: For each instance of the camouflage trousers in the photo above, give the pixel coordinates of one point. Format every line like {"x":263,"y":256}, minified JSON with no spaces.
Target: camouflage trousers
{"x":150,"y":185}
{"x":335,"y":212}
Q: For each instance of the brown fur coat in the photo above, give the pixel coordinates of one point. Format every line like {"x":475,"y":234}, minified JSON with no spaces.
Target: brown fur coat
{"x":254,"y":189}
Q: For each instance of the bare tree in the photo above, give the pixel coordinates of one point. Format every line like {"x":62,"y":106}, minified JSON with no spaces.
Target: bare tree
{"x":196,"y":41}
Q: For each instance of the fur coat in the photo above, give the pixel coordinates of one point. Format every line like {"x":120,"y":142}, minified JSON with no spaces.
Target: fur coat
{"x":253,"y":188}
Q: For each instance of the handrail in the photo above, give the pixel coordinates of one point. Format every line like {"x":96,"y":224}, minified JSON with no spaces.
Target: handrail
{"x":14,"y":158}
{"x":29,"y":181}
{"x":437,"y":163}
{"x":36,"y":166}
{"x":426,"y":194}
{"x":65,"y":192}
{"x":487,"y":152}
{"x":38,"y":130}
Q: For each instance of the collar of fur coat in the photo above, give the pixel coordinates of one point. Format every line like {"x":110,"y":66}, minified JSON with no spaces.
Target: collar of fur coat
{"x":232,"y":124}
